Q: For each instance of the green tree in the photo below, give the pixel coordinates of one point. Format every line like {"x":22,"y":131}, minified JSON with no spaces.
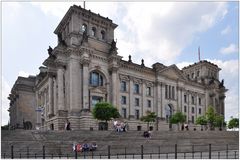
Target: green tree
{"x":202,"y":120}
{"x":178,"y":118}
{"x":233,"y":123}
{"x":105,"y":111}
{"x":210,"y":115}
{"x":150,"y":117}
{"x":219,"y":121}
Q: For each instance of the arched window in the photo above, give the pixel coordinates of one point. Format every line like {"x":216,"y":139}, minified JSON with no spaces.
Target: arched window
{"x":96,"y":79}
{"x":84,"y":27}
{"x":102,"y":35}
{"x":93,"y":32}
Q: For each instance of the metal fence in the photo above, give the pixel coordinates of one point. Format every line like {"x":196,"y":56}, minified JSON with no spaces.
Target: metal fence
{"x":138,"y":152}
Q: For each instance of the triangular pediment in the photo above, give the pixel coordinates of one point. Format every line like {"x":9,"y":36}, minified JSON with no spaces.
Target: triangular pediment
{"x":172,"y":72}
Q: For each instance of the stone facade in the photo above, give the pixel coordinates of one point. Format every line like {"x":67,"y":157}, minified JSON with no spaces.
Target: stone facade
{"x":85,"y":68}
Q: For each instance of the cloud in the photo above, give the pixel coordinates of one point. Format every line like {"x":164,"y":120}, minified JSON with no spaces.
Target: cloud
{"x":232,"y":48}
{"x":23,"y":74}
{"x":226,"y":30}
{"x":5,"y":102}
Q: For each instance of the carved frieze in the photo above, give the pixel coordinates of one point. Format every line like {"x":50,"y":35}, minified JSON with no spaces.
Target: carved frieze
{"x":124,"y":77}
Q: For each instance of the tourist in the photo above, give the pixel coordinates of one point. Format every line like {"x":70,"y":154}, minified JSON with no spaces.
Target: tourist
{"x":149,"y":134}
{"x":85,"y":147}
{"x":68,"y":126}
{"x":118,"y":127}
{"x":93,"y":146}
{"x":115,"y":124}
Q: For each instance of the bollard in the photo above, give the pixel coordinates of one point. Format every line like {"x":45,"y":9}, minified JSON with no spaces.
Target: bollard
{"x":84,"y":154}
{"x":159,"y":152}
{"x":20,"y":156}
{"x":52,"y":156}
{"x":117,"y":155}
{"x":184,"y":155}
{"x":150,"y":155}
{"x":175,"y":151}
{"x":200,"y":155}
{"x":133,"y":155}
{"x":76,"y":152}
{"x":43,"y":152}
{"x":141,"y":151}
{"x":125,"y":153}
{"x":167,"y":156}
{"x":12,"y":152}
{"x":100,"y":156}
{"x":218,"y":155}
{"x":235,"y":154}
{"x":35,"y":155}
{"x":4,"y":155}
{"x":227,"y":151}
{"x":210,"y":152}
{"x":27,"y":152}
{"x":192,"y":151}
{"x":67,"y":156}
{"x":108,"y":152}
{"x":59,"y":156}
{"x":92,"y":154}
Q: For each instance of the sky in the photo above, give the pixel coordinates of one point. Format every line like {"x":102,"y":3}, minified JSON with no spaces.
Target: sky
{"x":165,"y":32}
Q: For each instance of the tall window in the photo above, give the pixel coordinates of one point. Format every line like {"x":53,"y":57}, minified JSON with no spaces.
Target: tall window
{"x":136,"y":88}
{"x":103,"y":35}
{"x":96,"y":79}
{"x":166,"y":91}
{"x":123,"y":86}
{"x":84,"y":27}
{"x":137,"y":114}
{"x":192,"y":119}
{"x":123,"y":100}
{"x":192,"y":75}
{"x":124,"y":112}
{"x":148,"y":91}
{"x":185,"y":98}
{"x":192,"y":109}
{"x":136,"y":101}
{"x":185,"y":108}
{"x":198,"y":73}
{"x":199,"y":101}
{"x":192,"y":99}
{"x":169,"y":92}
{"x":93,"y":32}
{"x":199,"y":111}
{"x":149,"y":103}
{"x":173,"y":92}
{"x":96,"y":99}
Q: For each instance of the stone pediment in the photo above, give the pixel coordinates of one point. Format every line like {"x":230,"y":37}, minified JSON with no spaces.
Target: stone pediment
{"x":100,"y":90}
{"x":172,"y":72}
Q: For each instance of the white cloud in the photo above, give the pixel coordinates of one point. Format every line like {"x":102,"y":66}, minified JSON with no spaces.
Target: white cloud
{"x":226,"y":30}
{"x":23,"y":74}
{"x":5,"y":102}
{"x":232,"y":48}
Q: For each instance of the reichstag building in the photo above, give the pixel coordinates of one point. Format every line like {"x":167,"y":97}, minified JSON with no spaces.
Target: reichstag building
{"x":85,"y":68}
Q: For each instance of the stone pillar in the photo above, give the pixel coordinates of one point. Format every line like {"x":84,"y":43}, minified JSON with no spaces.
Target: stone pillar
{"x":75,"y":94}
{"x":85,"y":85}
{"x":45,"y":103}
{"x":144,"y":106}
{"x":158,"y":98}
{"x":60,"y":74}
{"x":114,"y":86}
{"x":50,"y":96}
{"x":55,"y":105}
{"x":131,"y":99}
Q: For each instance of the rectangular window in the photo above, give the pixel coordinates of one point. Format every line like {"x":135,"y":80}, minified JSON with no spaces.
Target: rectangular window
{"x":192,"y":119}
{"x":96,"y":99}
{"x":192,"y":75}
{"x":198,"y":73}
{"x":192,"y":109}
{"x":173,"y":92}
{"x":148,"y":91}
{"x":169,"y":92}
{"x":136,"y":101}
{"x":123,"y":100}
{"x":166,"y":91}
{"x":149,"y":103}
{"x":185,"y":108}
{"x":136,"y":88}
{"x":192,"y":100}
{"x":137,"y":114}
{"x":199,"y":111}
{"x":185,"y":98}
{"x":199,"y":101}
{"x":123,"y":86}
{"x":124,"y":112}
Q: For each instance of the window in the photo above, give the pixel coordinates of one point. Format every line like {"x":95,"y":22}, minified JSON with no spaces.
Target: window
{"x":136,"y":101}
{"x":192,"y":119}
{"x":148,"y":91}
{"x":192,"y":99}
{"x":123,"y":86}
{"x":173,"y":92}
{"x":102,"y":35}
{"x":149,"y":103}
{"x":84,"y":27}
{"x":96,"y":99}
{"x":123,"y":100}
{"x":199,"y":101}
{"x":198,"y":73}
{"x":188,"y":76}
{"x":185,"y":108}
{"x":93,"y":32}
{"x":192,"y":109}
{"x":137,"y":114}
{"x":185,"y":98}
{"x":166,"y":91}
{"x":96,"y":79}
{"x":124,"y":112}
{"x":192,"y":75}
{"x":199,"y":111}
{"x":136,"y":88}
{"x":169,"y":92}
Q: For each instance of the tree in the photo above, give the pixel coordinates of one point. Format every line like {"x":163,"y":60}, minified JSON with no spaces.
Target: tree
{"x":150,"y":117}
{"x":233,"y":123}
{"x":105,"y":111}
{"x":210,"y":115}
{"x":177,"y":118}
{"x":219,"y":121}
{"x":202,"y":120}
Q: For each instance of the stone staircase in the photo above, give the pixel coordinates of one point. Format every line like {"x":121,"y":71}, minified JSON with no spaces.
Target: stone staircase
{"x":60,"y":142}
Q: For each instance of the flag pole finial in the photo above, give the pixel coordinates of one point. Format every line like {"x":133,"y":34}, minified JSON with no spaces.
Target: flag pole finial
{"x":199,"y":57}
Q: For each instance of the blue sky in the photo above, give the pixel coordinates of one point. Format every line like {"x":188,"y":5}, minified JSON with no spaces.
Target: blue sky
{"x":167,"y":32}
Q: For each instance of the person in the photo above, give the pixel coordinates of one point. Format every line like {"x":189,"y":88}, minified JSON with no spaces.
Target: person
{"x":93,"y":146}
{"x":145,"y":134}
{"x":85,"y":147}
{"x":74,"y":146}
{"x":114,"y":124}
{"x":68,"y":126}
{"x":118,"y":127}
{"x":182,"y":127}
{"x":65,"y":127}
{"x":149,"y":134}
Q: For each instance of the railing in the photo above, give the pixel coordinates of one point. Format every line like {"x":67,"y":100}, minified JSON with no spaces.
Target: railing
{"x":139,"y":152}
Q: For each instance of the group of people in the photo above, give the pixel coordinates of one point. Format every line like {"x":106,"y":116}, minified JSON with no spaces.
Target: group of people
{"x":147,"y":134}
{"x":120,"y":126}
{"x":185,"y":126}
{"x":85,"y":147}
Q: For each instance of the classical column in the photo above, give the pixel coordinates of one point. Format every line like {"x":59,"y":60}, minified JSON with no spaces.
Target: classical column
{"x":60,"y":74}
{"x":158,"y":98}
{"x":55,"y":110}
{"x":45,"y":103}
{"x":85,"y":85}
{"x":75,"y":94}
{"x":144,"y":106}
{"x":131,"y":104}
{"x":114,"y":86}
{"x":50,"y":96}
